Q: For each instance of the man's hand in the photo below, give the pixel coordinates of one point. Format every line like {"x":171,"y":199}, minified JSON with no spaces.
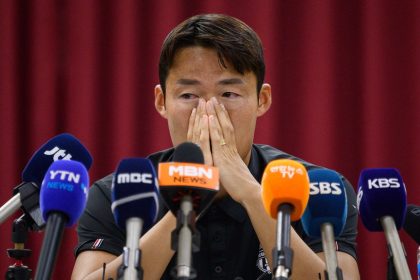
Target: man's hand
{"x":198,"y":130}
{"x":235,"y":176}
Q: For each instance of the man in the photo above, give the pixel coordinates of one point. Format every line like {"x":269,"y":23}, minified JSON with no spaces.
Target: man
{"x":211,"y":92}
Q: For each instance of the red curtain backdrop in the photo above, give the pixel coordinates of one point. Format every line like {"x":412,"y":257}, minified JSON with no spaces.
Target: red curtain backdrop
{"x":345,"y":78}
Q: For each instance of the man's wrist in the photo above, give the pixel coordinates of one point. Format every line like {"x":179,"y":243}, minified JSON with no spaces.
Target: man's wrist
{"x":251,"y":197}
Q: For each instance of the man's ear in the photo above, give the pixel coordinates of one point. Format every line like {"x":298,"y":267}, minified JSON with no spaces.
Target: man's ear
{"x":264,"y":100}
{"x":160,"y":101}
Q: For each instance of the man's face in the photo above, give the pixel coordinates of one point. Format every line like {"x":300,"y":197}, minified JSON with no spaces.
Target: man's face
{"x":197,"y":73}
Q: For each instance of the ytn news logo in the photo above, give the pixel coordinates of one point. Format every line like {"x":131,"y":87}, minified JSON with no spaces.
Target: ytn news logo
{"x":63,"y":175}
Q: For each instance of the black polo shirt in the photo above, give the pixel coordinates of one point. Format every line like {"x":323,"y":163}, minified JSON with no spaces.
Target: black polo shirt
{"x":230,"y":248}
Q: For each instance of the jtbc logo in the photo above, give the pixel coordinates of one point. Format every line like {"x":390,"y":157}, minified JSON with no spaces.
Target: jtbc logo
{"x":58,"y":154}
{"x":383,"y":183}
{"x":325,"y":188}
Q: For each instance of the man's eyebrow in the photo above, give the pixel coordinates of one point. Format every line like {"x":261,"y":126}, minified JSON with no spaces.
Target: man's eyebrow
{"x":232,"y":81}
{"x":187,"y":82}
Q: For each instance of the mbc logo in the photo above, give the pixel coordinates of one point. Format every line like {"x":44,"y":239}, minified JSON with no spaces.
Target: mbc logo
{"x":134,"y":177}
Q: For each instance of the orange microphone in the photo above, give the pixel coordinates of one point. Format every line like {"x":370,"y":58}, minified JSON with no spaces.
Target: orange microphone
{"x":285,"y":194}
{"x":187,"y":187}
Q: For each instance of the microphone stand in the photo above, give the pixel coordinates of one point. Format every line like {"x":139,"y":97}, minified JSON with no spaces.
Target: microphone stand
{"x":130,"y":268}
{"x":333,"y":271}
{"x":394,"y":242}
{"x":283,"y":253}
{"x":185,"y":239}
{"x":19,"y":271}
{"x":26,"y":196}
{"x":54,"y":232}
{"x":391,"y":271}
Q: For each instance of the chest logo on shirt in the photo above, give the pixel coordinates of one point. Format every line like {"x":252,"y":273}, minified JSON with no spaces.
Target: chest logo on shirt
{"x":262,"y":262}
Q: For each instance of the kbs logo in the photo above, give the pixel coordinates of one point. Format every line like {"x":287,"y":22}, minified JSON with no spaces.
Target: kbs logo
{"x":124,"y":178}
{"x":325,"y":188}
{"x":58,"y":154}
{"x":286,"y":170}
{"x":68,"y":176}
{"x":383,"y":183}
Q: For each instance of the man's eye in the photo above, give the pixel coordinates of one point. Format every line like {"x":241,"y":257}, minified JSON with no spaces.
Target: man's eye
{"x":188,"y":96}
{"x":230,"y":94}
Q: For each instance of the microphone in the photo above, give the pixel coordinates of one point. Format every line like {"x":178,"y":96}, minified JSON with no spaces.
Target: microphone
{"x":381,"y":200}
{"x":325,"y":214}
{"x":26,"y":195}
{"x":135,"y":206}
{"x":285,"y":194}
{"x":412,"y":222}
{"x":187,"y":187}
{"x":62,"y":200}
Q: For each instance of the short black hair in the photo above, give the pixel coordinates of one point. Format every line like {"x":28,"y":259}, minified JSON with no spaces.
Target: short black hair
{"x":233,"y":40}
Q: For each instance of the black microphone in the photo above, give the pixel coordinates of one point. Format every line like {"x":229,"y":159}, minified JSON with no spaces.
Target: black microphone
{"x":412,"y":222}
{"x":62,"y":200}
{"x":135,"y":207}
{"x":187,"y":187}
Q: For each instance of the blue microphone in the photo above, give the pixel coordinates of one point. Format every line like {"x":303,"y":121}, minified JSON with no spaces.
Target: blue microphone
{"x":63,"y":146}
{"x":135,"y":207}
{"x":26,"y":195}
{"x":63,"y":198}
{"x":382,"y":203}
{"x":325,"y":215}
{"x":381,"y":193}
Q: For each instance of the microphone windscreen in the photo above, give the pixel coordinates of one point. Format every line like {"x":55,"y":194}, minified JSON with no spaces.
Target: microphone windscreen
{"x":188,"y":175}
{"x":381,"y":193}
{"x":65,"y":190}
{"x":412,"y":222}
{"x":285,"y":181}
{"x":62,"y":146}
{"x":327,"y":202}
{"x":188,"y":152}
{"x":135,"y":192}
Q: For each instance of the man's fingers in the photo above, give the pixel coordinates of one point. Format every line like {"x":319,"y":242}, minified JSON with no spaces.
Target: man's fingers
{"x":224,"y":121}
{"x":191,"y":124}
{"x":204,"y":140}
{"x":196,"y":126}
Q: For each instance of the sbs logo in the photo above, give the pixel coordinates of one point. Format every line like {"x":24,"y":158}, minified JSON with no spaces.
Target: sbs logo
{"x":325,"y":188}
